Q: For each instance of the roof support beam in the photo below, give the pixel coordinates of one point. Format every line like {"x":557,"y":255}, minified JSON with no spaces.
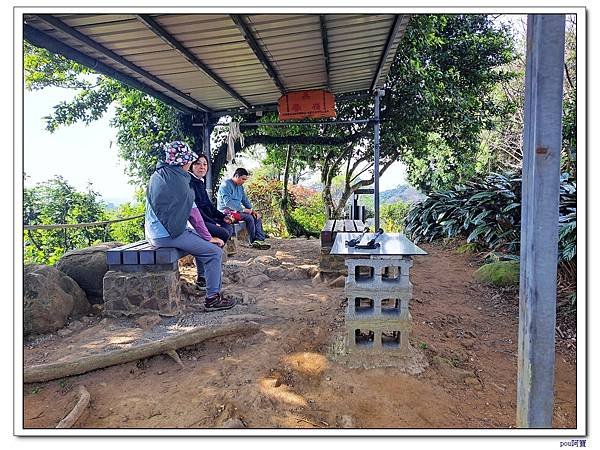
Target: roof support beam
{"x":325,"y":42}
{"x":192,"y":59}
{"x":40,"y":39}
{"x":58,"y":24}
{"x":395,"y":29}
{"x":253,"y":43}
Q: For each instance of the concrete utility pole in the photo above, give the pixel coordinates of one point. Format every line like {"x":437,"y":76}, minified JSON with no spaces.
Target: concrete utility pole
{"x":542,"y":137}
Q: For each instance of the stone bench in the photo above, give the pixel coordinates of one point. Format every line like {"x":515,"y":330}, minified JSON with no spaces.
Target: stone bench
{"x":142,"y":279}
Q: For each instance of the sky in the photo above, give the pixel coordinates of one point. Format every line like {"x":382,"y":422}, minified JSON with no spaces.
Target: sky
{"x":79,"y":153}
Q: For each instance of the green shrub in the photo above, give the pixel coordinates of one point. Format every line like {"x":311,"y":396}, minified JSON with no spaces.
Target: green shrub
{"x":488,"y":213}
{"x":393,"y":215}
{"x":305,"y":206}
{"x":311,"y":214}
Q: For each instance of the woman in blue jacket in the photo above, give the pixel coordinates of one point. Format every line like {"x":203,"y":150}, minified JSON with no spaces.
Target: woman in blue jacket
{"x":169,"y":203}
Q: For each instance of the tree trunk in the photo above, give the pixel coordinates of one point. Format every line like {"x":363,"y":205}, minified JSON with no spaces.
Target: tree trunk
{"x":52,"y":371}
{"x":284,"y":194}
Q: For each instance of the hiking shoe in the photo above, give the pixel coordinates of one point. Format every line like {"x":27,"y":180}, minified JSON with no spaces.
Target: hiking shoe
{"x":263,"y":245}
{"x":201,"y":283}
{"x":218,"y":302}
{"x":256,"y":244}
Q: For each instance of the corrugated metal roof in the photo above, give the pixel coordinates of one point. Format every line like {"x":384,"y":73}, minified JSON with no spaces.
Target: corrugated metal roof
{"x":224,"y":62}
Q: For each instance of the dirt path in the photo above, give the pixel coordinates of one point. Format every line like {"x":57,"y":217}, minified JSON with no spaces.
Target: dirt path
{"x":283,"y":377}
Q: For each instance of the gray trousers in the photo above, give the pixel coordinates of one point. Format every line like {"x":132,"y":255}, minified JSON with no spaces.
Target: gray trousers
{"x":207,"y":255}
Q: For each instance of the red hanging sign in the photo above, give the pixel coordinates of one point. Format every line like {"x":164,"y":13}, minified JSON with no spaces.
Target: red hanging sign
{"x":306,"y":104}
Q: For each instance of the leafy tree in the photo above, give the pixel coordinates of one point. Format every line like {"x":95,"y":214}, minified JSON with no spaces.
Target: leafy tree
{"x":56,"y":202}
{"x":131,"y":230}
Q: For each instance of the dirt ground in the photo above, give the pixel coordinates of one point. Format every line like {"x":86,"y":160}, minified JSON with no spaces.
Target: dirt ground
{"x":284,"y":376}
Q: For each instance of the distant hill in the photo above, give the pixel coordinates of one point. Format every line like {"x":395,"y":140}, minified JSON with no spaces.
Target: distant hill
{"x":403,"y":193}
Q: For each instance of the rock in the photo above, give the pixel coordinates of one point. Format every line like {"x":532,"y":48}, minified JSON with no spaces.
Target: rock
{"x":295,"y":274}
{"x":346,"y":421}
{"x":267,"y":260}
{"x":276,"y":273}
{"x":311,"y":271}
{"x":468,"y":343}
{"x":233,"y":423}
{"x":148,"y":321}
{"x":49,"y":298}
{"x":338,"y":282}
{"x":256,"y":280}
{"x":76,"y":324}
{"x":64,"y":332}
{"x":187,"y":261}
{"x":502,"y":273}
{"x":474,"y":383}
{"x":87,"y":266}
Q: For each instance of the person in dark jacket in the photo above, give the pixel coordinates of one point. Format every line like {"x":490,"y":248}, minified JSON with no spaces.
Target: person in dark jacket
{"x":169,"y":208}
{"x":218,"y":224}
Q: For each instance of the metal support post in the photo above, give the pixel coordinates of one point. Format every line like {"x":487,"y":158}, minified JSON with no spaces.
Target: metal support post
{"x":378,"y":93}
{"x":207,"y":130}
{"x":539,"y":219}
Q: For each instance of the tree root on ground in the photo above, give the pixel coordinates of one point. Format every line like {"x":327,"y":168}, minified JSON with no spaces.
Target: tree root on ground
{"x":77,"y":411}
{"x":52,"y":371}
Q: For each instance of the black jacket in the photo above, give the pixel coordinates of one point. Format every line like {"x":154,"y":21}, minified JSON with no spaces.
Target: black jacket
{"x":209,"y":211}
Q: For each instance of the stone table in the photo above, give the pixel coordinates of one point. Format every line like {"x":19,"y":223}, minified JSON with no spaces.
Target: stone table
{"x":378,"y":290}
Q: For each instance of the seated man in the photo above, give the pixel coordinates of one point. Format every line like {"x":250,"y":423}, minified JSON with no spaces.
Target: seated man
{"x":232,"y":198}
{"x":169,"y":203}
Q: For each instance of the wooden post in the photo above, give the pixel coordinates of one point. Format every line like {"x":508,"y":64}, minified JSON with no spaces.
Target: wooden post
{"x":539,"y":219}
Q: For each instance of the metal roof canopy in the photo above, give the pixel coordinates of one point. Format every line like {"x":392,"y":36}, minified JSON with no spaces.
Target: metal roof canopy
{"x":219,"y":63}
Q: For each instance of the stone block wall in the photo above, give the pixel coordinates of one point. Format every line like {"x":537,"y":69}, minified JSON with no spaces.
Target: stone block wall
{"x":138,"y":293}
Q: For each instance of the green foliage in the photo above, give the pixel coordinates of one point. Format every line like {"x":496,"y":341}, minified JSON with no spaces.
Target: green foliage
{"x":502,"y":273}
{"x":265,"y":195}
{"x":393,"y":215}
{"x":43,"y":68}
{"x":310,"y":213}
{"x":488,"y":213}
{"x":306,"y":207}
{"x":130,"y":230}
{"x":56,"y":202}
{"x":441,"y":95}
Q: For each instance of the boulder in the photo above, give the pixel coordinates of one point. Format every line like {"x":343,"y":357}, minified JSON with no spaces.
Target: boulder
{"x":502,"y":273}
{"x":49,"y":298}
{"x":87,"y":266}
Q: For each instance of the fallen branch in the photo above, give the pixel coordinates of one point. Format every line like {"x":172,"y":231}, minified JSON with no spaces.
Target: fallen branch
{"x":75,"y":414}
{"x":52,"y":371}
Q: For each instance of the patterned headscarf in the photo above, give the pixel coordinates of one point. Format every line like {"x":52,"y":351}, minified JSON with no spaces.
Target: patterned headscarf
{"x":177,"y":153}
